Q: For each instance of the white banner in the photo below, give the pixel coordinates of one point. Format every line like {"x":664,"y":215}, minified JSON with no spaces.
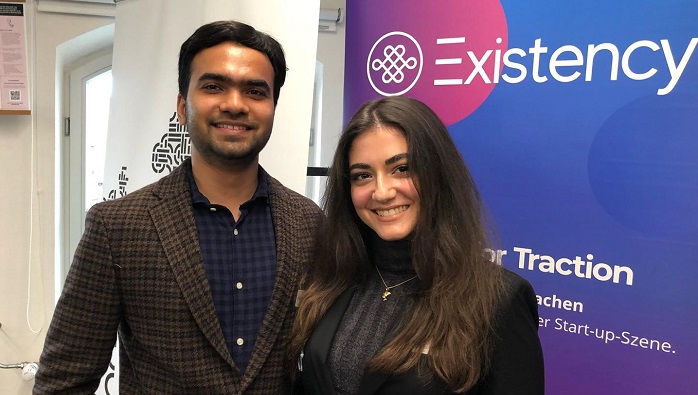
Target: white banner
{"x":145,"y":142}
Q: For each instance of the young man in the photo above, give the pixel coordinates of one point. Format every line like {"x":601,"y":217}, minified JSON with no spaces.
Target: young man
{"x":198,"y":271}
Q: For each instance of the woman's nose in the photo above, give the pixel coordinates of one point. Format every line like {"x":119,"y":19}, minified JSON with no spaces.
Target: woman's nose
{"x":385,"y":190}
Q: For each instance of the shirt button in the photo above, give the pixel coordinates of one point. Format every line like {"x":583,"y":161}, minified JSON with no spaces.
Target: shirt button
{"x":240,"y":341}
{"x":213,"y":209}
{"x":238,"y":285}
{"x":235,"y":231}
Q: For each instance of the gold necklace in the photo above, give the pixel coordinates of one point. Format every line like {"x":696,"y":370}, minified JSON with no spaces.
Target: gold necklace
{"x":388,"y":288}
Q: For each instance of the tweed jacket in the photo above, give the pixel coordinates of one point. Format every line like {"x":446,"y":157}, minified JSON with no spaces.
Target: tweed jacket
{"x":517,"y":359}
{"x":139,"y":268}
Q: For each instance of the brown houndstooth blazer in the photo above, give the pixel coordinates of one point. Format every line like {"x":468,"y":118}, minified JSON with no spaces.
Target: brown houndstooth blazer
{"x":138,"y":268}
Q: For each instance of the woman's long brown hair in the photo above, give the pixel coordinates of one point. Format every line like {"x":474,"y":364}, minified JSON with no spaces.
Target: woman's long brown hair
{"x":459,"y":289}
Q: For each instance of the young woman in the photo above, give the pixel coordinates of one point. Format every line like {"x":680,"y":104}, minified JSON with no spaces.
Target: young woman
{"x":402,"y":298}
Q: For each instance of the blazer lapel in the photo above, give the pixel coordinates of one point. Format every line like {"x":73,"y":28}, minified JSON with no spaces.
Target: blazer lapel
{"x":286,"y":283}
{"x":174,"y":220}
{"x":371,"y":382}
{"x":316,"y":376}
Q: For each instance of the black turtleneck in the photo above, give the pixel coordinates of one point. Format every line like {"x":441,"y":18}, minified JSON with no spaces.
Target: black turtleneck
{"x":369,"y":318}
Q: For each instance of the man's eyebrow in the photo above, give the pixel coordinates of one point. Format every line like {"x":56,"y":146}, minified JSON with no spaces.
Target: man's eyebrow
{"x":257,"y":83}
{"x":214,"y":77}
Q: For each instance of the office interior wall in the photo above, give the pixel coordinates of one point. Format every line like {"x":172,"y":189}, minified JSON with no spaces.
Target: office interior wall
{"x":330,"y":52}
{"x":28,"y":200}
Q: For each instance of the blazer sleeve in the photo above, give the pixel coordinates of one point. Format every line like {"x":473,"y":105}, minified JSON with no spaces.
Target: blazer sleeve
{"x":82,"y":333}
{"x":517,"y":361}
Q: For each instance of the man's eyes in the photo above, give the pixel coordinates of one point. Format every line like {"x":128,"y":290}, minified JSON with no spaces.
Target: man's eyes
{"x":211,"y":87}
{"x":257,"y":92}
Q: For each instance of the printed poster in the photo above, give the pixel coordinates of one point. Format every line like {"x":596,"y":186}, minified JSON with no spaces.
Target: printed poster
{"x":14,"y":88}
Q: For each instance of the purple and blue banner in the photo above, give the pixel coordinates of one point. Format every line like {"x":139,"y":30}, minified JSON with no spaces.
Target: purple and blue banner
{"x":579,"y":121}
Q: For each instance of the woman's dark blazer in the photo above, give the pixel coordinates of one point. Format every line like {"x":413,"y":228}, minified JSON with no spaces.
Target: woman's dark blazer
{"x":517,"y":361}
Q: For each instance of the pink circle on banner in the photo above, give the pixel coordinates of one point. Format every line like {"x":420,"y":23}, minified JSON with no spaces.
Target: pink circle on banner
{"x":448,"y":56}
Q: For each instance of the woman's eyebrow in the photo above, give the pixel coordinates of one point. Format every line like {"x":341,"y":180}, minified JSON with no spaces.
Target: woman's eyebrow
{"x":359,"y":166}
{"x":395,"y":158}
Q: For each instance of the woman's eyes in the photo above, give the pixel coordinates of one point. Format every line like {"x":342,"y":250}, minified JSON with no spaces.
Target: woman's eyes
{"x":402,"y":169}
{"x":359,"y":176}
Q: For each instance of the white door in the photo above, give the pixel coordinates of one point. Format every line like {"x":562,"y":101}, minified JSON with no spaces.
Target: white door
{"x":90,"y":93}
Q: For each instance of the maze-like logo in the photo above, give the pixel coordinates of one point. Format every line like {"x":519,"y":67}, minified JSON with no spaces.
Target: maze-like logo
{"x":173,"y":148}
{"x":121,"y":188}
{"x":394,"y":64}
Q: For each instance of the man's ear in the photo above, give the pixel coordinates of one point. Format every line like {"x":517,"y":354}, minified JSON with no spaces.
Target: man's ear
{"x":181,"y":109}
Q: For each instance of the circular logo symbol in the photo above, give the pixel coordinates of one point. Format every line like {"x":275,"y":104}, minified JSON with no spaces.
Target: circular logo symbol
{"x":394,"y":64}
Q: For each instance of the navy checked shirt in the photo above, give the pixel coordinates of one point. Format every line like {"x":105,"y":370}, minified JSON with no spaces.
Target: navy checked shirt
{"x":240,"y":262}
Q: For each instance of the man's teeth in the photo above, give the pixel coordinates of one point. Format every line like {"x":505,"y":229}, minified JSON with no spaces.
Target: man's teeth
{"x":392,"y":211}
{"x":233,"y":127}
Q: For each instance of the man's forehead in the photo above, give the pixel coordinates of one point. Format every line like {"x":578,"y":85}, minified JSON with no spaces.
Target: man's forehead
{"x":231,"y":57}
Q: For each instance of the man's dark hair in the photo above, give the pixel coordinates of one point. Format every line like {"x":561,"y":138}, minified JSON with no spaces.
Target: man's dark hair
{"x":215,"y":33}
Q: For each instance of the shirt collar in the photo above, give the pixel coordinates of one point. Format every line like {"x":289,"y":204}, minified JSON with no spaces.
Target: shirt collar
{"x":261,"y":193}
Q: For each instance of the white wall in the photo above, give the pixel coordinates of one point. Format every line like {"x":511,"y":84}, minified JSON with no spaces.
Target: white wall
{"x":330,"y":52}
{"x":28,"y":202}
{"x":29,"y":233}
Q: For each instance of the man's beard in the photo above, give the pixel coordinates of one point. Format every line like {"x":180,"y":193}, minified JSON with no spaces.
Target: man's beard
{"x":226,"y":153}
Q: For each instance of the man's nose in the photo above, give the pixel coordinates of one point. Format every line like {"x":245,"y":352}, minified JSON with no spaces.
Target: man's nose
{"x":234,"y":101}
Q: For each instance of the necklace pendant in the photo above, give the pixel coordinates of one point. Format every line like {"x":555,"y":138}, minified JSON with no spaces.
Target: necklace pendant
{"x":385,"y":295}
